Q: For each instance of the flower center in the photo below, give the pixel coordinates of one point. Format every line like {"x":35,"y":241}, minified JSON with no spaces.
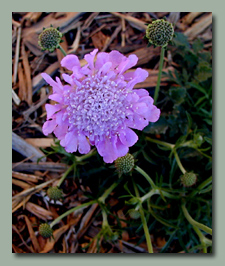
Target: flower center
{"x":98,"y":106}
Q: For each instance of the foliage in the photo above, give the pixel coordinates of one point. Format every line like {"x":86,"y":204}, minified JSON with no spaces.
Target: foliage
{"x":180,"y":141}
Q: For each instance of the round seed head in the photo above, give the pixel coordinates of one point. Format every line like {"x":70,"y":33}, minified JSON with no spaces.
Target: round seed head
{"x":54,"y":193}
{"x":160,"y":32}
{"x":45,"y":230}
{"x":124,"y":164}
{"x":188,"y":179}
{"x":49,"y":39}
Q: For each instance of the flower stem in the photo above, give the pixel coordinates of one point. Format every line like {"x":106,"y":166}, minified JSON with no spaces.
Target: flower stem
{"x":145,"y":227}
{"x":62,"y":50}
{"x":85,"y":156}
{"x":107,"y":192}
{"x":201,"y":186}
{"x":194,"y":223}
{"x":159,"y":75}
{"x":101,"y":199}
{"x":148,"y":178}
{"x":65,"y":175}
{"x":70,"y":211}
{"x":179,"y":162}
{"x":163,"y":143}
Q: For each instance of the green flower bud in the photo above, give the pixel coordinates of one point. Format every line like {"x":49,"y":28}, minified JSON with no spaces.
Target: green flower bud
{"x":45,"y":230}
{"x":188,"y":179}
{"x":160,"y":32}
{"x":134,"y":214}
{"x":124,"y":164}
{"x":49,"y":39}
{"x":54,"y":193}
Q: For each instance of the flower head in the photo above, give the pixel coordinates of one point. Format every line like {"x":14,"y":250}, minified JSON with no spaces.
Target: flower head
{"x":124,"y":164}
{"x":49,"y":39}
{"x":188,"y":179}
{"x":54,"y":193}
{"x":45,"y":230}
{"x":160,"y":32}
{"x":99,"y":105}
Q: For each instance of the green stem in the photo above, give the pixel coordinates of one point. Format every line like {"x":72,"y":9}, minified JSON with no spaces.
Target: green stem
{"x":149,"y":194}
{"x":65,"y":175}
{"x":145,"y":227}
{"x":85,"y":156}
{"x":148,"y":178}
{"x":101,"y":200}
{"x":201,"y":186}
{"x":62,"y":50}
{"x":71,"y":211}
{"x":204,"y":241}
{"x":159,"y":75}
{"x":163,"y":143}
{"x":156,"y":191}
{"x":179,"y":162}
{"x":194,"y":223}
{"x":107,"y":192}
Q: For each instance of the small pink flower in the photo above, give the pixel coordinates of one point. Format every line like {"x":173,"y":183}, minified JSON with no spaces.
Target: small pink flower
{"x":99,"y":106}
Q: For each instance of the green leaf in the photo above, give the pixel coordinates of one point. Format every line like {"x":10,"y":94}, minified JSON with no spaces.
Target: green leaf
{"x":197,"y":45}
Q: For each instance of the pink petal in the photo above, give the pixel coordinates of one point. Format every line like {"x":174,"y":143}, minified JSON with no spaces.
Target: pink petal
{"x":83,"y":145}
{"x":140,"y":108}
{"x":101,"y":59}
{"x":48,"y":79}
{"x":70,"y":61}
{"x":106,"y":148}
{"x":122,"y":149}
{"x":105,"y":68}
{"x":48,"y":127}
{"x":60,"y":132}
{"x":128,"y":137}
{"x":130,"y":62}
{"x":116,"y":58}
{"x":67,"y":78}
{"x":154,"y":114}
{"x":51,"y":109}
{"x":77,"y":73}
{"x":141,"y":92}
{"x":90,"y":58}
{"x":137,"y":122}
{"x":70,"y":142}
{"x":57,"y":88}
{"x":139,"y":76}
{"x":56,"y":97}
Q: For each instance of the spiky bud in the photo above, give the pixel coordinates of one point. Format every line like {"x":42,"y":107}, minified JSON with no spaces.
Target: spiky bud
{"x":124,"y":164}
{"x":160,"y":32}
{"x":54,"y":193}
{"x":50,"y":39}
{"x":188,"y":179}
{"x":45,"y":230}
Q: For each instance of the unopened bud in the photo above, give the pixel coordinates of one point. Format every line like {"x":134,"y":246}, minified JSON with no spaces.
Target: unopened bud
{"x":159,"y":32}
{"x":188,"y":179}
{"x":50,"y":39}
{"x":54,"y":193}
{"x":45,"y":230}
{"x":124,"y":164}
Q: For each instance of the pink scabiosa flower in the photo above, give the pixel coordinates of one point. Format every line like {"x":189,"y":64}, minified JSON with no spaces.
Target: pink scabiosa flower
{"x":99,"y":106}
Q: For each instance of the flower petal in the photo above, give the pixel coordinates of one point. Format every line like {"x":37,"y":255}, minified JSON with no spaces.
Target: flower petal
{"x":128,"y":137}
{"x":83,"y":145}
{"x":90,"y":58}
{"x":130,"y":62}
{"x":51,"y":109}
{"x":70,"y":61}
{"x":48,"y":127}
{"x":71,"y":142}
